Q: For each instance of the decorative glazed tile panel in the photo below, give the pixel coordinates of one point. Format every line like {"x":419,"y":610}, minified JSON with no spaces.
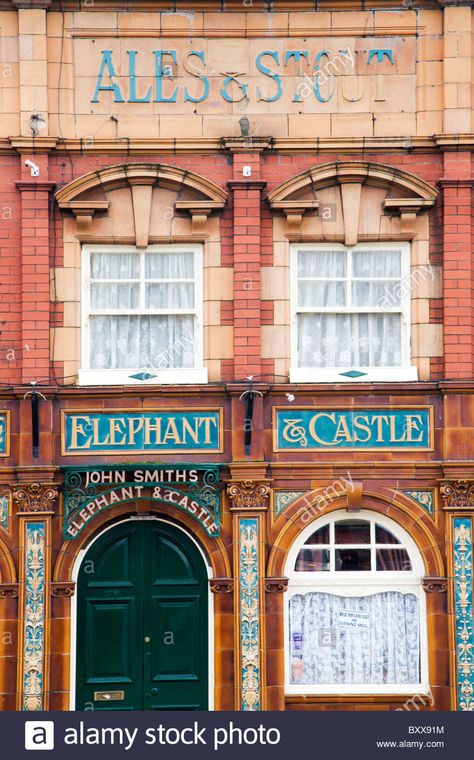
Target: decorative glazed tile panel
{"x":34,"y":616}
{"x":249,"y":614}
{"x":464,"y":612}
{"x":4,"y":511}
{"x":424,"y":499}
{"x":4,"y":434}
{"x":283,"y":499}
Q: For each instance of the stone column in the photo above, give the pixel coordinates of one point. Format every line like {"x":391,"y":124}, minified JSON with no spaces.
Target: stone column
{"x":249,"y":502}
{"x":33,"y":503}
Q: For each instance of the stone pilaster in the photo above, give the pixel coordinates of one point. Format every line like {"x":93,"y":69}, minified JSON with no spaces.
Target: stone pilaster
{"x":459,"y":503}
{"x":34,"y":504}
{"x":249,"y":502}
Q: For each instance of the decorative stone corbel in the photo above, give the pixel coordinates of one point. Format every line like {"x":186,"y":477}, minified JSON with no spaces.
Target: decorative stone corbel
{"x":276,"y":585}
{"x":61,"y":589}
{"x":8,"y":590}
{"x":248,"y":494}
{"x":435,"y":585}
{"x":199,"y":211}
{"x":294,"y":212}
{"x":35,"y":497}
{"x":84,"y":211}
{"x":407,"y":209}
{"x":458,"y":494}
{"x":354,"y":493}
{"x":221,"y":585}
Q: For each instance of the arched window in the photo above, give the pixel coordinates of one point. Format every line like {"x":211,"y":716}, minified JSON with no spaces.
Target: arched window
{"x":355,"y":612}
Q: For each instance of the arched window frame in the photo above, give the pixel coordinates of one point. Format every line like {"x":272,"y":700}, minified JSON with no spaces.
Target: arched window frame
{"x":358,"y":583}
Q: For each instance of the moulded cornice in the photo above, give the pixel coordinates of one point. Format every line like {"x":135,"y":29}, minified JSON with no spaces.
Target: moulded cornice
{"x":342,"y":172}
{"x":163,"y":175}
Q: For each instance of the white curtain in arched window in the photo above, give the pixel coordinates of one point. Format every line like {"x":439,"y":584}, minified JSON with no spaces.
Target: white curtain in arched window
{"x":374,"y":641}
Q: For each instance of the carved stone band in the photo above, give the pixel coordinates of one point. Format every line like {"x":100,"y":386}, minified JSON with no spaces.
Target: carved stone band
{"x":435,"y":585}
{"x":221,"y":585}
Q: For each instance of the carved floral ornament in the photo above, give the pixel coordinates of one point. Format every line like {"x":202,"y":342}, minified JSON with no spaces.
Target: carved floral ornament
{"x":248,"y":494}
{"x":458,"y":494}
{"x":35,"y":497}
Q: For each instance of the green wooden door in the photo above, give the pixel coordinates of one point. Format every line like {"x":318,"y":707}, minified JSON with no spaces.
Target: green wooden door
{"x":142,"y":621}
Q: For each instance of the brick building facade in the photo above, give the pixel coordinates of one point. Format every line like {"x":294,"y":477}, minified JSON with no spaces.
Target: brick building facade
{"x":236,"y":355}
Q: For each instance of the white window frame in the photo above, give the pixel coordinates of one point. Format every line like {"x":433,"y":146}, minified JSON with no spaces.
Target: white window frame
{"x":406,"y":372}
{"x":358,"y":583}
{"x":196,"y":374}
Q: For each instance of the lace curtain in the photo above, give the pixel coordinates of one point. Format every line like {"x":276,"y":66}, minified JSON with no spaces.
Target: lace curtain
{"x":383,"y":647}
{"x":121,"y":281}
{"x":336,"y":279}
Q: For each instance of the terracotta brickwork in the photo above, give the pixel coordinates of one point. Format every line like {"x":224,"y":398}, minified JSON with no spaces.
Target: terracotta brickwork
{"x":228,"y":144}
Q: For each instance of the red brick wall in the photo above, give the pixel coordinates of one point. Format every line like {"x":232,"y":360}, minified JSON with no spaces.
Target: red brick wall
{"x":246,"y":236}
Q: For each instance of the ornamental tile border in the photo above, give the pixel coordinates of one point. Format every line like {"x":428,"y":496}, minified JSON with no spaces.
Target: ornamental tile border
{"x":282,"y":499}
{"x":463,"y":571}
{"x":424,"y":498}
{"x":249,"y":594}
{"x":33,"y":631}
{"x":4,"y":511}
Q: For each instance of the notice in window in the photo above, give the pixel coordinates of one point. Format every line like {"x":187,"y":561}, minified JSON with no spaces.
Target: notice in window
{"x":355,"y":620}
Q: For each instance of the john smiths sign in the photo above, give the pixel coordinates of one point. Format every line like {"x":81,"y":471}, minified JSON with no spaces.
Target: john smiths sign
{"x":117,"y":431}
{"x":326,"y":429}
{"x":193,"y":489}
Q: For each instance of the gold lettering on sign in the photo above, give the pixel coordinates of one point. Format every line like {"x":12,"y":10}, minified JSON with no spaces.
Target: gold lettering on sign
{"x":152,"y":428}
{"x":312,"y":427}
{"x":171,"y":432}
{"x":342,"y":431}
{"x":116,"y":426}
{"x":361,"y":423}
{"x":414,"y":423}
{"x":193,"y":432}
{"x":78,"y":428}
{"x":380,"y":419}
{"x":135,"y":425}
{"x":208,"y":421}
{"x":393,"y":434}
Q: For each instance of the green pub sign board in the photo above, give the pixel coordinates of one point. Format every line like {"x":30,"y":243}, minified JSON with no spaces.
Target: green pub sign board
{"x":329,"y":429}
{"x":193,"y":489}
{"x":167,"y":431}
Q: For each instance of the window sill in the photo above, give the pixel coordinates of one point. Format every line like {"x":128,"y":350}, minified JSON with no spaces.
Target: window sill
{"x":159,"y":377}
{"x":337,"y":692}
{"x":370,"y":375}
{"x":358,"y":698}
